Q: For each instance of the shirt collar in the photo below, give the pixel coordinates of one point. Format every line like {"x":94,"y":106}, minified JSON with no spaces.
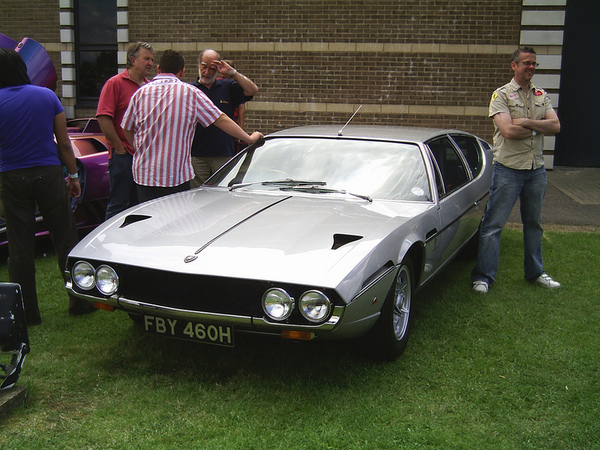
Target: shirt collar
{"x":515,"y":86}
{"x":125,"y":75}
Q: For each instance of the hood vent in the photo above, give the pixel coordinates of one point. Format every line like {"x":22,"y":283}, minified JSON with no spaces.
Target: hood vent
{"x":339,"y":240}
{"x":133,"y":218}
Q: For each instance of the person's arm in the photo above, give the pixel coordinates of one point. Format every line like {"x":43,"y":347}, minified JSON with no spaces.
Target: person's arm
{"x":110,"y":132}
{"x":241,"y":115}
{"x":65,"y":152}
{"x":548,"y":125}
{"x":247,"y":85}
{"x":233,"y":129}
{"x":508,"y":128}
{"x":129,"y":136}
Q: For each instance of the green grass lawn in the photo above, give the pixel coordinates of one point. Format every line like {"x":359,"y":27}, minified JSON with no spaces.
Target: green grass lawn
{"x":516,"y":368}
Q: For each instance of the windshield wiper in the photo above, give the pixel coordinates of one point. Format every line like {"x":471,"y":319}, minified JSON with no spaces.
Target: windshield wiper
{"x":323,"y":190}
{"x":287,"y":182}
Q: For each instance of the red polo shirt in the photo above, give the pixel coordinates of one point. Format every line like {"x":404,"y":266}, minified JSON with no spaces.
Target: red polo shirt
{"x":114,"y":100}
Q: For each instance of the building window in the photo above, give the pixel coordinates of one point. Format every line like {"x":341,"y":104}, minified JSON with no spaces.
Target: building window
{"x":95,"y":47}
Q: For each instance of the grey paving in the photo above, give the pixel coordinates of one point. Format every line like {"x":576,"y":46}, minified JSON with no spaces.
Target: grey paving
{"x":572,"y":200}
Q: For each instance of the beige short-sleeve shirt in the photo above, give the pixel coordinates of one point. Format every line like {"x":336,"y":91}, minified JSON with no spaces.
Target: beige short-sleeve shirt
{"x":519,"y":154}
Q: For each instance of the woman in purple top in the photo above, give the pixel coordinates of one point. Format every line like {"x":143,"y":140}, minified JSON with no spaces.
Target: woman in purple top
{"x":32,"y":176}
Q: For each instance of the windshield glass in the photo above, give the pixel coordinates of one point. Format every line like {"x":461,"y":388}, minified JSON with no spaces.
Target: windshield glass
{"x":384,"y":170}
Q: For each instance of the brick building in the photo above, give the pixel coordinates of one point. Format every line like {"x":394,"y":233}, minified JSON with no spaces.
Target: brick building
{"x":413,"y":62}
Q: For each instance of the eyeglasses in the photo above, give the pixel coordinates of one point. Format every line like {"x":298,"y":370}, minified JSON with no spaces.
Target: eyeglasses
{"x":528,"y":63}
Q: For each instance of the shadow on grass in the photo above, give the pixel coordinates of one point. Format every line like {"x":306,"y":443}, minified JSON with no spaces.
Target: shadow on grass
{"x":264,"y":357}
{"x":268,"y":357}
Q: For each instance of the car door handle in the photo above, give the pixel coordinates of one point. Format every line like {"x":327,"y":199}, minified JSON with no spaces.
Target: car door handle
{"x":430,"y":234}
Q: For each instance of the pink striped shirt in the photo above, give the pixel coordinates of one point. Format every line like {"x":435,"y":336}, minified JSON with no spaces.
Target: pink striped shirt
{"x":163,"y":115}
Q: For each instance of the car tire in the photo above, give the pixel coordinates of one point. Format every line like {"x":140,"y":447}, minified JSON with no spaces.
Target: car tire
{"x":388,"y":338}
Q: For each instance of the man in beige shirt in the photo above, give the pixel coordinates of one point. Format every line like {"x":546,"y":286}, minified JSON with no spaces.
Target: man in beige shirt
{"x":522,"y":115}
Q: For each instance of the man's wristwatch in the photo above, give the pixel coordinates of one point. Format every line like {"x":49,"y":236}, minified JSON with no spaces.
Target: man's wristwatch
{"x":73,"y":176}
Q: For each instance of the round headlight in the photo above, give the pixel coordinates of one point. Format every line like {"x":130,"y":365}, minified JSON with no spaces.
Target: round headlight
{"x":277,"y":304}
{"x":83,"y":275}
{"x":315,"y":306}
{"x":107,"y":280}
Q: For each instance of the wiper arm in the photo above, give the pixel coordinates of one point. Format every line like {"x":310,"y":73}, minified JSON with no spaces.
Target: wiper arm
{"x":323,"y":190}
{"x":287,"y":182}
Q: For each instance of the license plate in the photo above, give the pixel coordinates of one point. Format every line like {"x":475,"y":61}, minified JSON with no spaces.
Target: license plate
{"x":191,"y":331}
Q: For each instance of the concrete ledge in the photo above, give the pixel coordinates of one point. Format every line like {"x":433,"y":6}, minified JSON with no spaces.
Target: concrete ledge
{"x":11,"y":398}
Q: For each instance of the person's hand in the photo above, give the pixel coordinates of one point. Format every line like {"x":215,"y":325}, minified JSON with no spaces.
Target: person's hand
{"x":255,"y":137}
{"x":74,"y":188}
{"x":223,"y":68}
{"x":120,"y":150}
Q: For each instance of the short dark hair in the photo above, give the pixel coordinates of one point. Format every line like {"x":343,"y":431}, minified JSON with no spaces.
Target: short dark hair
{"x":13,"y":71}
{"x":171,"y":62}
{"x":517,"y":53}
{"x":134,"y":50}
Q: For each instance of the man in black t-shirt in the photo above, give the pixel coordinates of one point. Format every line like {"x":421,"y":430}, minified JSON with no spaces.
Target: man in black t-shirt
{"x":212,"y":147}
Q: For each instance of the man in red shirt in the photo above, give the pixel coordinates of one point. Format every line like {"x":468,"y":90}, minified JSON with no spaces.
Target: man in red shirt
{"x":160,"y":123}
{"x":113,"y":102}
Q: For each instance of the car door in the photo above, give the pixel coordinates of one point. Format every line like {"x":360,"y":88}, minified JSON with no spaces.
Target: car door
{"x":458,"y":220}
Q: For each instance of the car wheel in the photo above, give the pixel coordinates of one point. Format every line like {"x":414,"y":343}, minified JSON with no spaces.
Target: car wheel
{"x":389,"y":336}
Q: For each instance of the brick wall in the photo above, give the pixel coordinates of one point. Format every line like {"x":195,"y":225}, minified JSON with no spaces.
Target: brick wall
{"x":414,"y":62}
{"x":363,"y":21}
{"x":30,"y":18}
{"x":316,"y":61}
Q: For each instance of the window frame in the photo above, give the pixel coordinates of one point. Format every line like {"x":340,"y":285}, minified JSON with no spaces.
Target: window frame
{"x":81,"y":48}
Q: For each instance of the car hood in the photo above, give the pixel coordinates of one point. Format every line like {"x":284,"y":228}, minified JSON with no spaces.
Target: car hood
{"x":291,"y":238}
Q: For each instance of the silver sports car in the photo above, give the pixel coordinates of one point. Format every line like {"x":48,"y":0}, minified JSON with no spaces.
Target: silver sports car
{"x":312,"y":233}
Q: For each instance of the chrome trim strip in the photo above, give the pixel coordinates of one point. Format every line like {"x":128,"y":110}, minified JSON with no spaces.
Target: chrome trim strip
{"x":258,"y":323}
{"x":261,"y":324}
{"x":148,"y":308}
{"x":92,"y":298}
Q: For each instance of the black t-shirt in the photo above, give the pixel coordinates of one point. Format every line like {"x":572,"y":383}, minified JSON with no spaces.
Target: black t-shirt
{"x":227,"y":95}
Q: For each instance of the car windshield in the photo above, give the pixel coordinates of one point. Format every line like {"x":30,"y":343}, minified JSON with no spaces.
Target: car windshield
{"x":371,"y":169}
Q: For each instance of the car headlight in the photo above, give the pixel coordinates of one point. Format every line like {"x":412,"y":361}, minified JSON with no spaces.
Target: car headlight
{"x":83,"y":275}
{"x":107,"y":280}
{"x":277,"y":304}
{"x":314,"y":306}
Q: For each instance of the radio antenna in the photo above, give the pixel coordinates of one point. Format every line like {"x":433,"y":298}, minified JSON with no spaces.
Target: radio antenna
{"x":352,"y":117}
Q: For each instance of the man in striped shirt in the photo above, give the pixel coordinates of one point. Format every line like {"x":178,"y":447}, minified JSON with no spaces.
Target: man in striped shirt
{"x":160,"y":123}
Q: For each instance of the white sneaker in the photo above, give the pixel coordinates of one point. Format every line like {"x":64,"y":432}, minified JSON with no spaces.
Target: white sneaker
{"x":547,"y":281}
{"x":480,"y":286}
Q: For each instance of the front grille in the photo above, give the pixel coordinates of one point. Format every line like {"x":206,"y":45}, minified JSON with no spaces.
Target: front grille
{"x":194,"y":292}
{"x":203,"y":293}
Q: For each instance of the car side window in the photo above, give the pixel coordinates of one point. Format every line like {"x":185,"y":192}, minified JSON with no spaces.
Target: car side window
{"x":454,"y":174}
{"x":471,"y":151}
{"x":85,"y":147}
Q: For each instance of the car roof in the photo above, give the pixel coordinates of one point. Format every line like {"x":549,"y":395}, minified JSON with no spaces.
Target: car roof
{"x":379,"y":132}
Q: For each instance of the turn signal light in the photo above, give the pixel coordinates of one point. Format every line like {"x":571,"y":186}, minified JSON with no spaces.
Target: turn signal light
{"x":104,"y":306}
{"x":297,"y":335}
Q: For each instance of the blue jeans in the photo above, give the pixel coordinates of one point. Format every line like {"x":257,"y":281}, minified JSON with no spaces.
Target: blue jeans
{"x":123,"y":191}
{"x":508,"y":185}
